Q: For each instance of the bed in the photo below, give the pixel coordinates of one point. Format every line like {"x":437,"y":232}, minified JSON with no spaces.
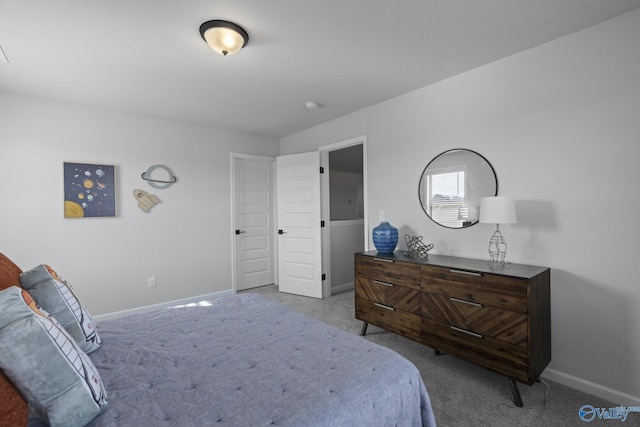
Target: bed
{"x":246,"y":360}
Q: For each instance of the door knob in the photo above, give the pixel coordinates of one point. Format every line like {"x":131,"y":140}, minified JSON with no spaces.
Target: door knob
{"x":240,"y":232}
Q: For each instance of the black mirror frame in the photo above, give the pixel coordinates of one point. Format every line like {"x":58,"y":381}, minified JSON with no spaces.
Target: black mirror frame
{"x":495,"y":176}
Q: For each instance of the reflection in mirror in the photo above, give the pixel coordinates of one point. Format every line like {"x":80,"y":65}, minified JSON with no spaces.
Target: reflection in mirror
{"x":452,"y":185}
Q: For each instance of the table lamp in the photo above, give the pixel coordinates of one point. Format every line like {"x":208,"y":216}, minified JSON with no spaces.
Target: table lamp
{"x":497,"y":210}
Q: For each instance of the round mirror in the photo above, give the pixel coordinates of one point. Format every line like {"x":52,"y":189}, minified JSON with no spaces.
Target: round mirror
{"x":452,"y":185}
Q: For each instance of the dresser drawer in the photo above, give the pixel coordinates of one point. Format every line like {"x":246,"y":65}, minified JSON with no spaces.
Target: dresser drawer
{"x":394,"y":320}
{"x":389,"y":271}
{"x":399,"y":297}
{"x":498,"y":323}
{"x":500,"y":356}
{"x":500,"y":291}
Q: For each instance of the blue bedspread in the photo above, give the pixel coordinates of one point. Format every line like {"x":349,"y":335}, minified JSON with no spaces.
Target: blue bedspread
{"x":249,"y":361}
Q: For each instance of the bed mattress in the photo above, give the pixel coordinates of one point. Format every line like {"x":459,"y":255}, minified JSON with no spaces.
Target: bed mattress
{"x":249,"y":361}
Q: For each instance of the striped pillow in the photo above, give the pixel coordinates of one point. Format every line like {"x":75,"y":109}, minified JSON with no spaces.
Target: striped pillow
{"x":55,"y":295}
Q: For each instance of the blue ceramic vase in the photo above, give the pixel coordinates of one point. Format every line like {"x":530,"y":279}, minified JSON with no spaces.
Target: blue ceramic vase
{"x":385,"y":237}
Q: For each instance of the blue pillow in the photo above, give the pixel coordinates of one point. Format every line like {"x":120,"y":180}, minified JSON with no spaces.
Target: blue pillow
{"x":41,"y":359}
{"x":54,"y":295}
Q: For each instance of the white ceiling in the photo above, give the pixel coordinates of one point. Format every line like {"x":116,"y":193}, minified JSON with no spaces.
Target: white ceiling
{"x":147,"y":57}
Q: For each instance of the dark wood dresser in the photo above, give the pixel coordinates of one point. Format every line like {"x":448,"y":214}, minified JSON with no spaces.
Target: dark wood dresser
{"x":497,"y":317}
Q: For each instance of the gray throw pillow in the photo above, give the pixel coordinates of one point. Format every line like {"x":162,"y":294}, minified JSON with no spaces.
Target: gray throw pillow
{"x":55,"y":295}
{"x":51,"y":371}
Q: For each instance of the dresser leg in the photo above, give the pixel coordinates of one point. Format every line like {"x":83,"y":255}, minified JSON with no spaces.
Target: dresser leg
{"x":516,"y":393}
{"x":363,"y":331}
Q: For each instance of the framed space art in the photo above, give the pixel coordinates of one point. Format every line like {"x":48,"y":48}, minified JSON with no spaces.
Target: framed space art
{"x":89,"y":190}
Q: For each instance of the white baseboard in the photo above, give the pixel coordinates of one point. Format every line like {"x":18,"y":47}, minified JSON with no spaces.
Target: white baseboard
{"x":341,"y":288}
{"x":598,"y":390}
{"x":148,"y":308}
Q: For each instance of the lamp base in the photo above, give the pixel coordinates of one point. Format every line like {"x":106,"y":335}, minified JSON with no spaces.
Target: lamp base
{"x":497,"y":249}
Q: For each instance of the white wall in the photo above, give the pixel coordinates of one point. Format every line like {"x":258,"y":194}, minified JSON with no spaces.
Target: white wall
{"x":344,"y":195}
{"x":184,"y":241}
{"x":560,"y":123}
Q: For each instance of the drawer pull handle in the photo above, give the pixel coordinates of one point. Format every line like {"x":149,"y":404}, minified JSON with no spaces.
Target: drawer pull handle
{"x":464,"y":331}
{"x":378,"y":282}
{"x":384,"y":260}
{"x":384,"y":306}
{"x":475,"y":304}
{"x":469,"y":273}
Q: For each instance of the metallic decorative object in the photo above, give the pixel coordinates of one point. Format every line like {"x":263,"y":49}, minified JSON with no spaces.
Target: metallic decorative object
{"x":157,"y":183}
{"x":497,"y":248}
{"x":416,"y":249}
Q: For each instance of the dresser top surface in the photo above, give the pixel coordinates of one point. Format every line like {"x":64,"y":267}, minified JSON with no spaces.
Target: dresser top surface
{"x":482,"y":266}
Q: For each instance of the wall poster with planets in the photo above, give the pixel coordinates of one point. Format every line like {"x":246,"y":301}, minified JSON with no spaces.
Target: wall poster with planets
{"x":89,"y":190}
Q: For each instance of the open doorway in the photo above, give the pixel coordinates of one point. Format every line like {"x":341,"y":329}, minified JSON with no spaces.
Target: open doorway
{"x":344,"y":204}
{"x":315,"y":253}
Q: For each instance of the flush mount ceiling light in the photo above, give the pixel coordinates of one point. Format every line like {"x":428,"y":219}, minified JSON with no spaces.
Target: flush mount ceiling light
{"x":224,"y":37}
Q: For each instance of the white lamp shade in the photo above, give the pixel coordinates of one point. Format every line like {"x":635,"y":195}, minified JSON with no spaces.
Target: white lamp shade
{"x":498,"y":210}
{"x":224,"y":40}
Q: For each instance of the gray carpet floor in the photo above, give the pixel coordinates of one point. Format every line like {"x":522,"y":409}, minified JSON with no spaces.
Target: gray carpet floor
{"x":461,"y":393}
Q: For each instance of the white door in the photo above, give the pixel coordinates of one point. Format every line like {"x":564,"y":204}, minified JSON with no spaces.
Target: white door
{"x":253,"y":221}
{"x":299,"y":237}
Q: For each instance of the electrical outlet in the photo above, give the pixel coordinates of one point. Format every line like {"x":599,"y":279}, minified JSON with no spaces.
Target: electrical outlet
{"x":381,"y":215}
{"x":152,"y":283}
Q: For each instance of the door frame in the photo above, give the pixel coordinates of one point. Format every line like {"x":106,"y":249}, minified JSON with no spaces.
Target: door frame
{"x":324,"y":197}
{"x":324,"y":203}
{"x":233,"y":158}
